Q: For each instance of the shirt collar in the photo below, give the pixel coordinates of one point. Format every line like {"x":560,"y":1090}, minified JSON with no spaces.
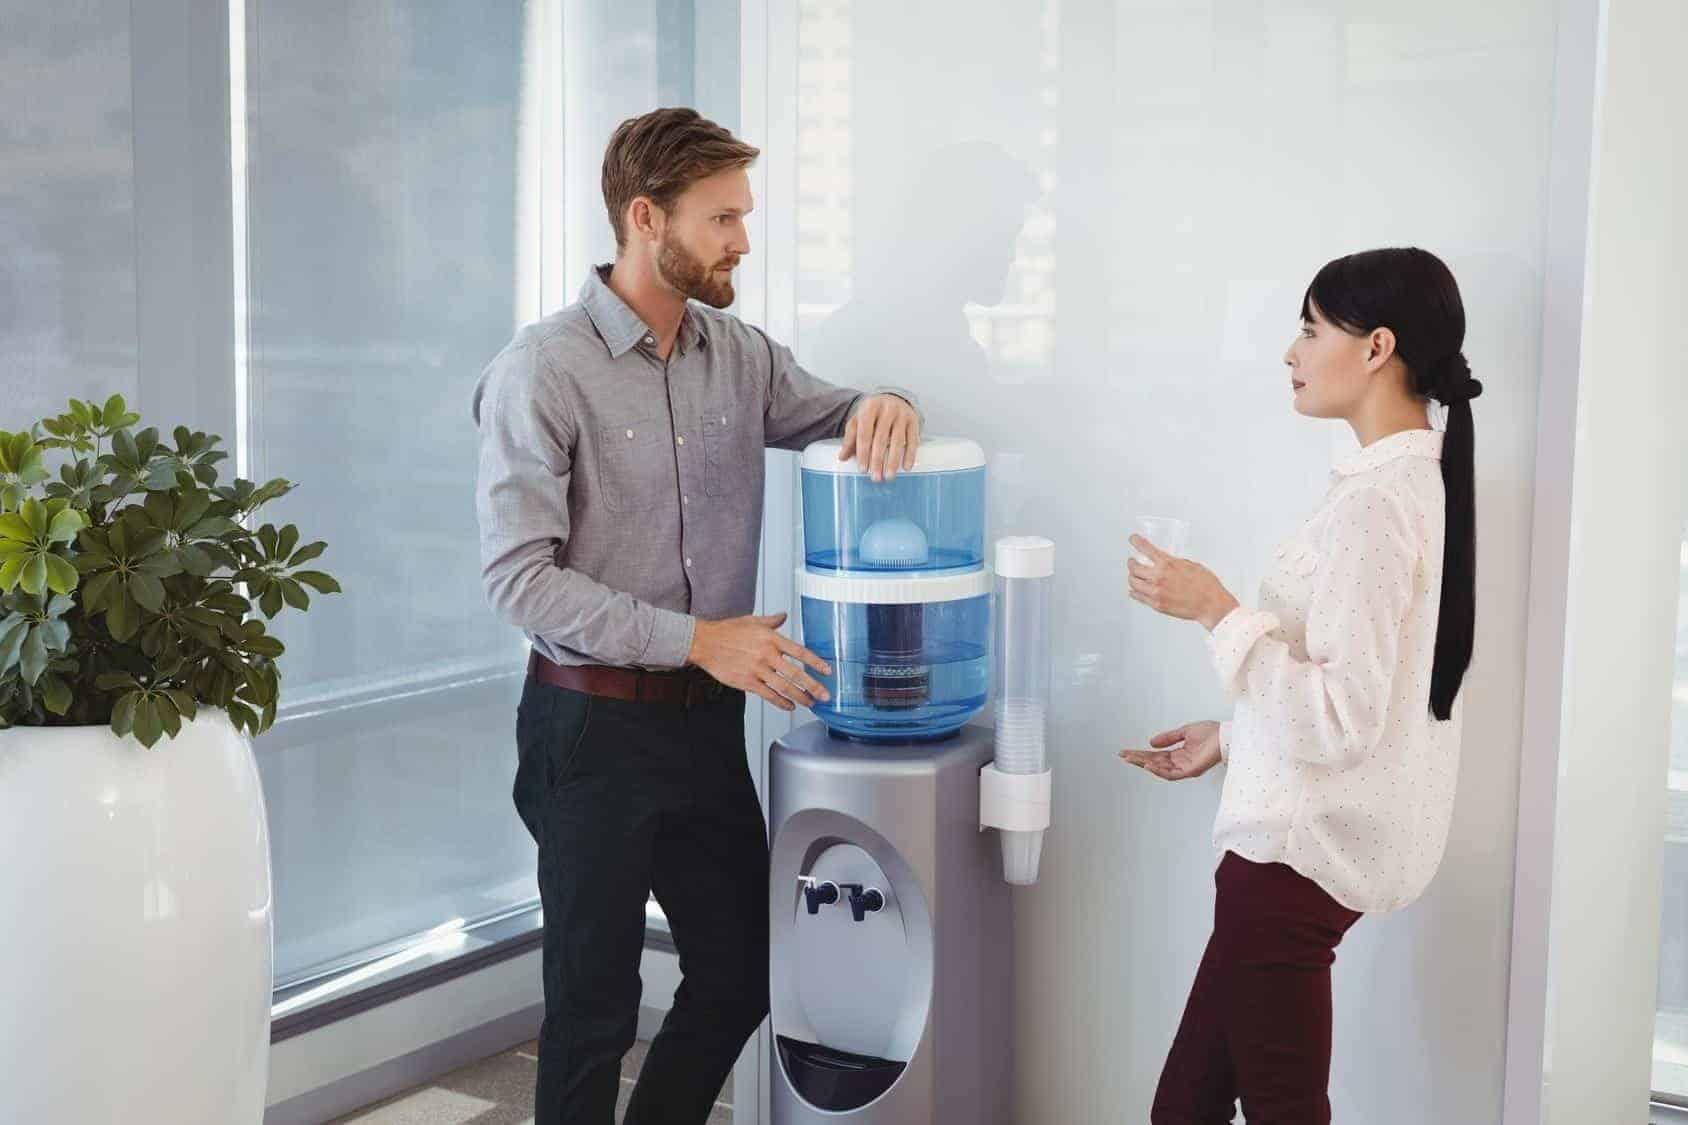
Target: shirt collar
{"x":1406,"y":443}
{"x":620,"y":327}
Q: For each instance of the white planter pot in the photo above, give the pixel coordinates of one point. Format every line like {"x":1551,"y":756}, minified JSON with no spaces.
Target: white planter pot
{"x":135,"y":947}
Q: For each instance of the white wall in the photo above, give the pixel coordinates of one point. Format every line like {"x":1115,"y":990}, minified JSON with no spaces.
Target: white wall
{"x":1082,"y":231}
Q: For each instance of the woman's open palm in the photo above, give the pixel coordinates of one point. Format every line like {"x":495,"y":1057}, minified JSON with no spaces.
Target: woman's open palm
{"x":1188,"y":751}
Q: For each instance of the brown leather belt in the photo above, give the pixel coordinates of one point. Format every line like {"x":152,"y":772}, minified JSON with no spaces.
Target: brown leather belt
{"x":687,"y":687}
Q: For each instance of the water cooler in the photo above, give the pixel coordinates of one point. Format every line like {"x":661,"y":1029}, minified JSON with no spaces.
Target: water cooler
{"x":891,"y":920}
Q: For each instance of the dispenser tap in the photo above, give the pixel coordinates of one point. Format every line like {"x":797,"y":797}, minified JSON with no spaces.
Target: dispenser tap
{"x":817,"y":893}
{"x":863,"y":901}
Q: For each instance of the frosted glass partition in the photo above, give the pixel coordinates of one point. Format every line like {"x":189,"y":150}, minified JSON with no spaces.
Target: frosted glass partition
{"x":1081,"y":230}
{"x":67,"y":207}
{"x":406,"y":211}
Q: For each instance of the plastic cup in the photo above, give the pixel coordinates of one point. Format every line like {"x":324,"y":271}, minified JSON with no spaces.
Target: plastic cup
{"x":1166,"y":532}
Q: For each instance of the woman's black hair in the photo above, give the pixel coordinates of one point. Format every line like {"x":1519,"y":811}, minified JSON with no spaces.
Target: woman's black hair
{"x":1413,"y":294}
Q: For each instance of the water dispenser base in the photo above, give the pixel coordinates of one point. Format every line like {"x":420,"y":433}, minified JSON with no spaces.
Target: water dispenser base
{"x":835,"y":1080}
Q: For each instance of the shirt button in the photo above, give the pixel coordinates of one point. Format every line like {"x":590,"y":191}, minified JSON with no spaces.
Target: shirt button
{"x":685,"y":499}
{"x":650,"y":339}
{"x":681,"y":440}
{"x":629,"y":433}
{"x":688,"y":562}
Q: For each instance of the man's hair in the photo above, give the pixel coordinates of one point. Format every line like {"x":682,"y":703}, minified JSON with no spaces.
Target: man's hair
{"x":660,"y":155}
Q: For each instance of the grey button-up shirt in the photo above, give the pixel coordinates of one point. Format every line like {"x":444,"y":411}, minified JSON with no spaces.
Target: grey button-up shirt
{"x":619,"y":496}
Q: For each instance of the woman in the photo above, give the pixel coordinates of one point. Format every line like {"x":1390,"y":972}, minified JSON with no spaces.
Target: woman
{"x":1343,"y":749}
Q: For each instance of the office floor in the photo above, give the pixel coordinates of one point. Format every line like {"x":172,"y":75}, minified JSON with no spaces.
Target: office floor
{"x":497,"y":1091}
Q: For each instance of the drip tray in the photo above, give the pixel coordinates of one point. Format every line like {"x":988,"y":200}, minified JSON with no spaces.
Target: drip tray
{"x":835,"y":1080}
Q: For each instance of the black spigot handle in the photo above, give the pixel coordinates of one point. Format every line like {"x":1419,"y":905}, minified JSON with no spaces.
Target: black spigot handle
{"x":817,"y":895}
{"x":863,"y":901}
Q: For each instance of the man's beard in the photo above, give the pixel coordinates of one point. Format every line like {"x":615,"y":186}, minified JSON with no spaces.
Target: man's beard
{"x":681,"y":269}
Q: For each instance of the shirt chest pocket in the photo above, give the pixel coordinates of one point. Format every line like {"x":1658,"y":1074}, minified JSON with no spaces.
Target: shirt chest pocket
{"x":636,"y":467}
{"x":1294,"y":564}
{"x":1299,"y":559}
{"x":724,"y":469}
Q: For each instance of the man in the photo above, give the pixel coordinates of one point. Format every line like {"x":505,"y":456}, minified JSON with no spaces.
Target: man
{"x":620,"y":506}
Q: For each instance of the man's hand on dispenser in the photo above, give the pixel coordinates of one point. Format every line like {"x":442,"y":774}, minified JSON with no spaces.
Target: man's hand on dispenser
{"x":883,"y":436}
{"x":1187,"y":752}
{"x":749,"y":653}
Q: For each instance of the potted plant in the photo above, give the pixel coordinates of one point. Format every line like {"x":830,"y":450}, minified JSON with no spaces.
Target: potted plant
{"x":134,"y":667}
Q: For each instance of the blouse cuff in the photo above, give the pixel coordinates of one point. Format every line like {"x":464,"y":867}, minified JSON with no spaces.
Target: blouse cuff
{"x":1225,"y":741}
{"x":1232,"y":640}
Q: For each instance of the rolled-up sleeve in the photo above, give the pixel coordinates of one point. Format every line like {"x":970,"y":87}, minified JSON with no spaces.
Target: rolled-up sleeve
{"x":1333,"y":705}
{"x":521,"y":500}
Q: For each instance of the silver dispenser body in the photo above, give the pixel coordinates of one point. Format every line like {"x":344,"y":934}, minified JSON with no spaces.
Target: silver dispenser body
{"x":905,"y":1016}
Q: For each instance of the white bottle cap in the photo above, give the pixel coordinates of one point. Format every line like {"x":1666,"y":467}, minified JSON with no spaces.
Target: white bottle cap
{"x":1025,"y":556}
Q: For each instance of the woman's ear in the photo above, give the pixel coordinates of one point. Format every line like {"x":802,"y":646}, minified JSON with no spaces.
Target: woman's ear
{"x":1380,"y":348}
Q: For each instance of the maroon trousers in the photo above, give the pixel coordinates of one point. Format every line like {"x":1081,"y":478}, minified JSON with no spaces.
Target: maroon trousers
{"x":1258,"y":1022}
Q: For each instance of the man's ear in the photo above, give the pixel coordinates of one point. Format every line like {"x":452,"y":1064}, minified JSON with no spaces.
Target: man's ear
{"x":644,"y":218}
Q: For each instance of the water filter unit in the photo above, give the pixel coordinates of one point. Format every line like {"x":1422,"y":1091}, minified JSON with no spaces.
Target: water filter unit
{"x":894,"y":593}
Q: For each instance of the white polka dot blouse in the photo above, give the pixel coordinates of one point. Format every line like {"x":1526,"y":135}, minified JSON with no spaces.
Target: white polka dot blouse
{"x":1334,"y":763}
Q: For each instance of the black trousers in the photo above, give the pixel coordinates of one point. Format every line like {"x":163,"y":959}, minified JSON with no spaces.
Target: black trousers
{"x":625,"y":799}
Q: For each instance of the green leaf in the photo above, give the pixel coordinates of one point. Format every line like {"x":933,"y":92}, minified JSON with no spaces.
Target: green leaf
{"x":294,"y":594}
{"x":162,"y":565}
{"x":94,"y":590}
{"x":55,"y":694}
{"x":10,"y":571}
{"x":65,"y":525}
{"x":15,"y":527}
{"x":189,"y":508}
{"x":318,"y":581}
{"x":195,"y":560}
{"x":306,"y":553}
{"x":115,"y":681}
{"x":286,"y":541}
{"x":34,"y":576}
{"x":147,"y":590}
{"x":167,"y":713}
{"x":184,"y":701}
{"x":148,"y":726}
{"x":271,"y":601}
{"x":268,"y":537}
{"x":211,"y":527}
{"x":123,"y":714}
{"x":146,"y":542}
{"x":35,"y":514}
{"x":11,"y":644}
{"x":160,"y":508}
{"x":161,"y":477}
{"x":61,"y":576}
{"x":123,"y":616}
{"x":244,"y":717}
{"x":264,"y":646}
{"x":33,"y":660}
{"x":114,"y":408}
{"x":57,"y":634}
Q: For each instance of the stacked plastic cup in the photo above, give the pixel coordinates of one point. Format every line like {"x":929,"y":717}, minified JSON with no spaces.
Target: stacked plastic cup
{"x":1025,"y":570}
